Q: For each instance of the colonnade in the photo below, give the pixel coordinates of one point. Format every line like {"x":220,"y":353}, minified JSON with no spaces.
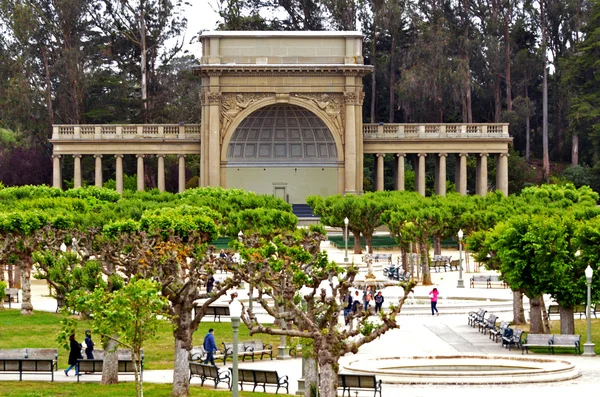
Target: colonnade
{"x":440,"y":172}
{"x":77,"y":180}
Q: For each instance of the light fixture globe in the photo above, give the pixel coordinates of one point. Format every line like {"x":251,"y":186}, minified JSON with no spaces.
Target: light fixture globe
{"x":589,"y":272}
{"x":235,"y":308}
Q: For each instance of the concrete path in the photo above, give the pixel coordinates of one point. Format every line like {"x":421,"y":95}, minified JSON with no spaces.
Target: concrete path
{"x":420,"y":334}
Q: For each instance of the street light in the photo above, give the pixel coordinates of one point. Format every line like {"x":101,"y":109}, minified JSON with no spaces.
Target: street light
{"x":346,"y":221}
{"x":235,"y":312}
{"x":588,"y":346}
{"x":461,"y":283}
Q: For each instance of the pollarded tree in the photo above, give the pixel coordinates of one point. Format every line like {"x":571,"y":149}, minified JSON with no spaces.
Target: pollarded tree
{"x":291,"y":268}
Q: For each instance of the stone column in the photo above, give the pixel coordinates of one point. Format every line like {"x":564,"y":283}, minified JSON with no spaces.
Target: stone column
{"x":440,"y":174}
{"x":119,"y":173}
{"x":502,"y":173}
{"x":140,"y":172}
{"x":461,"y":173}
{"x":380,"y":179}
{"x":400,"y":171}
{"x":482,"y":180}
{"x":56,"y":171}
{"x":98,"y":170}
{"x":76,"y":171}
{"x":161,"y":172}
{"x":214,"y":140}
{"x":421,"y":175}
{"x":181,"y":173}
{"x":350,"y":100}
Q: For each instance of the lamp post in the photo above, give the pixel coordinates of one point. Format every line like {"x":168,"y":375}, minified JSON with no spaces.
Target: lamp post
{"x":346,"y":221}
{"x":588,"y":346}
{"x":250,"y":289}
{"x":461,"y":283}
{"x":235,"y":311}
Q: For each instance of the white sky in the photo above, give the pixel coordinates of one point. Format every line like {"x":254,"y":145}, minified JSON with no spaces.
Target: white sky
{"x":201,"y":15}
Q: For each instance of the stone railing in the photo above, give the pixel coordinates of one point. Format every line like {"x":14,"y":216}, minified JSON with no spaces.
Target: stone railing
{"x":424,"y":131}
{"x":126,"y":131}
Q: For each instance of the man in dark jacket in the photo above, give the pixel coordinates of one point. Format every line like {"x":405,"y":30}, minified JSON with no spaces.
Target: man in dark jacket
{"x":210,"y":347}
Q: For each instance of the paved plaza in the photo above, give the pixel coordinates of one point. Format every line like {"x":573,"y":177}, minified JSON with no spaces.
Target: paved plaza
{"x":420,"y":334}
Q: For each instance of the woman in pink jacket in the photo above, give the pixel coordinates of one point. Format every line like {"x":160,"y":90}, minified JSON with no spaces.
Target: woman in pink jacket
{"x":434,"y":295}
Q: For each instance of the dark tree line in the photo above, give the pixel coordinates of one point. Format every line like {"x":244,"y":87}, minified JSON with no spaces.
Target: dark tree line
{"x":532,"y":63}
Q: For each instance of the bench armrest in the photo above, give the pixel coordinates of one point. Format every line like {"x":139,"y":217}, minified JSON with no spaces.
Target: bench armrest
{"x":282,"y":379}
{"x":268,"y":346}
{"x":249,"y":349}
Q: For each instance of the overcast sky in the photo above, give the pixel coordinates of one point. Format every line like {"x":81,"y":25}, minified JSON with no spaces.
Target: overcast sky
{"x":201,"y":16}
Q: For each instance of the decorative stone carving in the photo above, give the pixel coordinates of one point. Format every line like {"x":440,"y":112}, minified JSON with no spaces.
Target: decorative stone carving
{"x":232,"y":104}
{"x":351,"y":98}
{"x":332,"y":105}
{"x":213,"y":98}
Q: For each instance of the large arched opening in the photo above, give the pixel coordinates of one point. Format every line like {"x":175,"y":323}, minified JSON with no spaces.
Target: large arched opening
{"x":284,"y":150}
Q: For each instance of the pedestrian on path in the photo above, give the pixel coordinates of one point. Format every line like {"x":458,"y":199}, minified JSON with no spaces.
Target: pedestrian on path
{"x":210,"y":347}
{"x":378,"y":302}
{"x":74,"y":355}
{"x":367,"y":297}
{"x":89,"y":345}
{"x":434,"y":297}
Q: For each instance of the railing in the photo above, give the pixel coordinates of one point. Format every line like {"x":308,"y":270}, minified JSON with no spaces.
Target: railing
{"x":126,"y":131}
{"x":424,"y":131}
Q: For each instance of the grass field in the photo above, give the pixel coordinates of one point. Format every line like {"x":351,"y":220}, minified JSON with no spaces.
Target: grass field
{"x":580,"y":329}
{"x":70,"y":389}
{"x":40,"y":330}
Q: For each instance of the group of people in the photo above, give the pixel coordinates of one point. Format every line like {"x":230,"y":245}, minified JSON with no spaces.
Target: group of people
{"x":75,"y":351}
{"x":354,"y":302}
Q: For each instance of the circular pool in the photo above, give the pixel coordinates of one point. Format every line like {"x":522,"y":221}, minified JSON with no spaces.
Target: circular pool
{"x":464,"y":369}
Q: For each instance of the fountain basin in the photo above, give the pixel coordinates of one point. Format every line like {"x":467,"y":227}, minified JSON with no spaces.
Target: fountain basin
{"x":464,"y":369}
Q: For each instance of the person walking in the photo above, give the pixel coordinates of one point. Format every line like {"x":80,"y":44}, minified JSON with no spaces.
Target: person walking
{"x":348,"y":308}
{"x":367,"y":297}
{"x":378,"y":301}
{"x":210,"y":282}
{"x":210,"y":347}
{"x":89,"y":345}
{"x":434,"y":298}
{"x":74,"y":355}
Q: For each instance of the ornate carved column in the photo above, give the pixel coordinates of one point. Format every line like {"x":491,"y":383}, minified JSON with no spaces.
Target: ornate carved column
{"x":76,"y":171}
{"x":140,"y":172}
{"x":98,"y":170}
{"x":203,"y":138}
{"x":380,"y":179}
{"x":400,"y":171}
{"x":56,"y":171}
{"x":440,"y":174}
{"x":119,"y":172}
{"x":161,"y":172}
{"x":350,"y":157}
{"x":181,"y":175}
{"x":214,"y":140}
{"x":461,"y":173}
{"x":421,"y":174}
{"x":482,"y":177}
{"x":502,"y":173}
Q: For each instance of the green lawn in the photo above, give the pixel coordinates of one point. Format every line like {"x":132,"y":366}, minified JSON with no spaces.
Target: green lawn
{"x":71,"y":389}
{"x":40,"y":330}
{"x":580,"y":328}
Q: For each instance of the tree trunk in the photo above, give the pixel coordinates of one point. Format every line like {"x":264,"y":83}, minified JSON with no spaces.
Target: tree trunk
{"x":497,"y":99}
{"x":328,"y":383}
{"x":527,"y":128}
{"x":518,"y":310}
{"x":567,"y":321}
{"x":404,"y":254}
{"x":546,"y":154}
{"x":48,"y":89}
{"x":392,"y":79}
{"x":183,"y":343}
{"x":507,"y":18}
{"x":26,"y":306}
{"x":425,"y":264}
{"x":357,"y":246}
{"x":311,"y":377}
{"x":144,"y":61}
{"x":437,"y":245}
{"x":535,"y":315}
{"x":110,"y":368}
{"x":16,"y":277}
{"x":373,"y":73}
{"x":575,"y":149}
{"x":368,"y":242}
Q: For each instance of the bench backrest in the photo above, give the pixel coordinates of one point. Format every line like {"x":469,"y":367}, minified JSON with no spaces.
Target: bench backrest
{"x":43,"y":354}
{"x":196,"y":353}
{"x":503,"y":325}
{"x":124,"y":355}
{"x":11,"y":293}
{"x":566,"y":339}
{"x":12,"y":353}
{"x":218,"y":311}
{"x":517,"y":334}
{"x":538,"y":339}
{"x":245,"y":375}
{"x":361,"y":381}
{"x":204,"y":370}
{"x":494,"y":278}
{"x":257,"y":345}
{"x":492,"y":319}
{"x":229,"y":348}
{"x":480,"y":278}
{"x":553,"y":309}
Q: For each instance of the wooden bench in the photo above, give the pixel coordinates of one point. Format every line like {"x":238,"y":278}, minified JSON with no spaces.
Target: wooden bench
{"x":206,"y":371}
{"x":383,"y":257}
{"x":536,"y":340}
{"x":243,"y":351}
{"x":28,"y":361}
{"x":355,"y":381}
{"x":261,"y":377}
{"x":512,"y":338}
{"x":198,"y":354}
{"x":475,"y":317}
{"x":440,"y":262}
{"x":566,"y":342}
{"x":257,"y":346}
{"x":95,"y":366}
{"x":553,"y":310}
{"x":216,"y":311}
{"x":577,"y":309}
{"x":498,"y":331}
{"x":488,"y":280}
{"x":12,"y":295}
{"x":488,"y":323}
